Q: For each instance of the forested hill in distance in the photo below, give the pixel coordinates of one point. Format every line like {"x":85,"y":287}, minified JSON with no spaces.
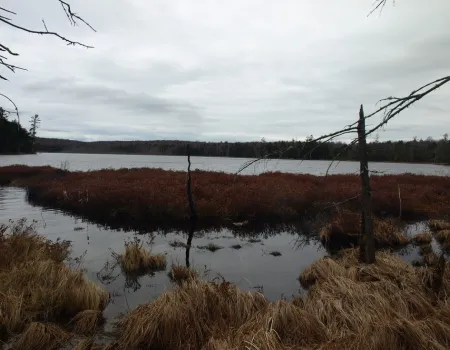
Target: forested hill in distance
{"x":417,"y":151}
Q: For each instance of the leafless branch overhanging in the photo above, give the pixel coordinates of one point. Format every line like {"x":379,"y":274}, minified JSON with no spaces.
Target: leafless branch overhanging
{"x":391,"y":107}
{"x":73,"y":19}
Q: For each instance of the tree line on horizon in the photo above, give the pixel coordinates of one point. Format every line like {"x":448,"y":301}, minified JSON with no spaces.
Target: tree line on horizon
{"x":416,"y":150}
{"x":14,"y":138}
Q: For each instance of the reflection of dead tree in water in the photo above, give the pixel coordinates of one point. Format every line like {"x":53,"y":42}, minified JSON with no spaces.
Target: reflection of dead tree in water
{"x":192,"y":212}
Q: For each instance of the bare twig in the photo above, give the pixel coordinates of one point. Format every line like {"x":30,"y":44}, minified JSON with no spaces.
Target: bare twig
{"x":3,"y":9}
{"x":15,"y":107}
{"x":68,"y":41}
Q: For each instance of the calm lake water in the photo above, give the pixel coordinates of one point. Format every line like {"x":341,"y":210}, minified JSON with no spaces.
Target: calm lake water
{"x":251,"y":267}
{"x":84,"y":162}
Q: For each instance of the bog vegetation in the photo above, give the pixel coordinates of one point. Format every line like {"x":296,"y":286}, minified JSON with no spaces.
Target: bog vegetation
{"x":137,"y":198}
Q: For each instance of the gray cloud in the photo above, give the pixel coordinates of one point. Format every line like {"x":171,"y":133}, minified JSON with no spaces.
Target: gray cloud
{"x":228,"y":70}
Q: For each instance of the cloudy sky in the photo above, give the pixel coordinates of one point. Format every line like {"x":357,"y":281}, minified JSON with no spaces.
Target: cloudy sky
{"x":227,"y":70}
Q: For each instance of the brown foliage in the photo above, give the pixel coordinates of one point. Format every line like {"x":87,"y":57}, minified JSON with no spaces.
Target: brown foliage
{"x":344,"y":231}
{"x":132,"y":197}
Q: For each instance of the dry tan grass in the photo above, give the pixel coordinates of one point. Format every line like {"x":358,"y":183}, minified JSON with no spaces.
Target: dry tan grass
{"x":387,"y":305}
{"x":138,"y":259}
{"x":438,"y":225}
{"x":87,"y":322}
{"x":89,"y":344}
{"x":186,"y":317}
{"x":422,"y":238}
{"x":180,"y":274}
{"x":42,"y":336}
{"x":38,"y":286}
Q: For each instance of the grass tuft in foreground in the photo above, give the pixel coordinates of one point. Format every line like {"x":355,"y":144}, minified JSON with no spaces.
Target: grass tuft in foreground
{"x":36,"y":285}
{"x":387,"y":305}
{"x":87,"y":322}
{"x":42,"y":336}
{"x":186,"y":317}
{"x":137,"y":259}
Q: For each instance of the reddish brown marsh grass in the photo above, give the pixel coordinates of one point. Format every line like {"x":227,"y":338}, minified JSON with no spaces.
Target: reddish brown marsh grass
{"x":137,"y":259}
{"x":132,"y":197}
{"x":36,"y":285}
{"x":422,"y":238}
{"x":345,"y":228}
{"x":180,"y":274}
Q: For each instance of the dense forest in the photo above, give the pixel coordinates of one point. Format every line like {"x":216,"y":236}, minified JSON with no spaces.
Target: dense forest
{"x":14,"y":139}
{"x":429,"y":150}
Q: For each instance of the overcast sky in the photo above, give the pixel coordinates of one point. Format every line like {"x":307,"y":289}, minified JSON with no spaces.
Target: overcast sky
{"x":227,"y":70}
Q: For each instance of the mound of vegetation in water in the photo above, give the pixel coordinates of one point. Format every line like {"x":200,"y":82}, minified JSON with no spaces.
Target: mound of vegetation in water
{"x":143,"y":198}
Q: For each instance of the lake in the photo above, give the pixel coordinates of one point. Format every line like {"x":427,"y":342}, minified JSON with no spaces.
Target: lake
{"x":251,"y":267}
{"x":84,"y":162}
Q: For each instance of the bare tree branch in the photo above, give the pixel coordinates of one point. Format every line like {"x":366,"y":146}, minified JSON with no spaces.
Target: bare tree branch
{"x":378,"y":4}
{"x":73,"y":16}
{"x":15,"y":107}
{"x":68,"y":41}
{"x":3,"y":9}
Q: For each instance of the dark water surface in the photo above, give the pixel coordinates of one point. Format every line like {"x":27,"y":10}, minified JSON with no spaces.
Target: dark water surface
{"x":250,"y":267}
{"x":84,"y":162}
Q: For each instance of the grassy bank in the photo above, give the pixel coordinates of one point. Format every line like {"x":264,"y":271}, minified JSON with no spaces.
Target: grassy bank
{"x":154,"y":197}
{"x":38,"y":290}
{"x":389,"y":305}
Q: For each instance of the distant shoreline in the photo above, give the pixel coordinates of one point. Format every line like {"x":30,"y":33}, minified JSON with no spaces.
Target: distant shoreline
{"x":213,"y":156}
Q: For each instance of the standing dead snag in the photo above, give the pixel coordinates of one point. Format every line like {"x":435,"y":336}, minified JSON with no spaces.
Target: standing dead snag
{"x":192,"y":211}
{"x":367,"y":248}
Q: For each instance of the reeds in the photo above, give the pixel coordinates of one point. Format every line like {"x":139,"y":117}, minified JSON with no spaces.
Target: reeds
{"x":137,"y":198}
{"x":36,"y":285}
{"x":42,"y":336}
{"x":137,"y":259}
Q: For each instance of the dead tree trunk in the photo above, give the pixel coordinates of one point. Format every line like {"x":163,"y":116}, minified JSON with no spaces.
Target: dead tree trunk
{"x":367,"y":244}
{"x":192,"y":211}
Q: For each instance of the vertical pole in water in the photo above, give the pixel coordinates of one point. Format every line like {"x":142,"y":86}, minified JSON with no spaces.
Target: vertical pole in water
{"x":367,"y":244}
